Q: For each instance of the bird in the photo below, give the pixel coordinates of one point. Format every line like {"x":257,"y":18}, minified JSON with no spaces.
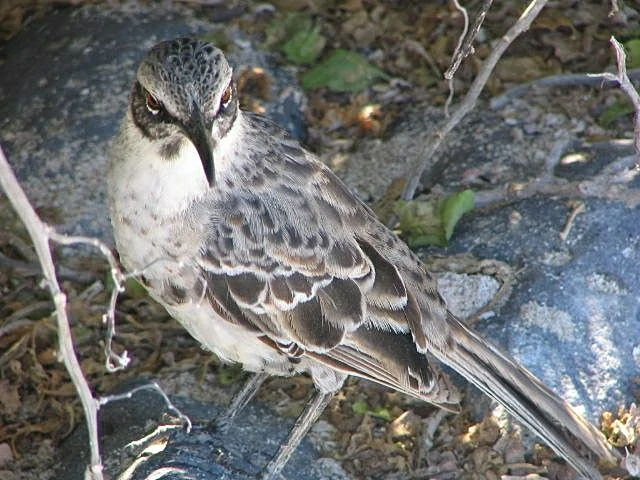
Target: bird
{"x":264,"y":255}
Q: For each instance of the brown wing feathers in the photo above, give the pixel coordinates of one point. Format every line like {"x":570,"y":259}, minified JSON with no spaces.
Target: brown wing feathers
{"x":367,"y":307}
{"x":323,"y":315}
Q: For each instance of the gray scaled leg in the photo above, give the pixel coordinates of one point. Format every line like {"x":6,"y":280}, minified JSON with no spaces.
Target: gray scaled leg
{"x":305,"y":421}
{"x":239,"y":400}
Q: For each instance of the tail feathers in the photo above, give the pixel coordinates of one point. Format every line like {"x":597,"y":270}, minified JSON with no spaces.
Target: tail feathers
{"x":526,"y":398}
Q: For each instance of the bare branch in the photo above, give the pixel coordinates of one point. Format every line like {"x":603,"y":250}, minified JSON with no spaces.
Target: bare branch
{"x":614,"y":8}
{"x":458,"y":55}
{"x":561,"y":80}
{"x":113,"y":362}
{"x":577,"y":209}
{"x":627,"y":87}
{"x":41,"y":234}
{"x":38,"y":232}
{"x":435,"y":139}
{"x":149,"y":386}
{"x":609,"y":184}
{"x":463,"y":50}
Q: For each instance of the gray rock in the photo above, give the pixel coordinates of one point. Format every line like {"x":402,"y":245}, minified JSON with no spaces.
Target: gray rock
{"x":573,"y":317}
{"x":203,"y":453}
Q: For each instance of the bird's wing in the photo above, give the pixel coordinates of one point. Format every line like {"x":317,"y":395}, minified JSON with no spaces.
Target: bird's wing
{"x":282,"y":258}
{"x":314,"y":268}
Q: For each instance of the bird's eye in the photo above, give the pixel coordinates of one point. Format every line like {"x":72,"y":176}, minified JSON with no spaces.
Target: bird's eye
{"x":153,"y":104}
{"x":226,"y":97}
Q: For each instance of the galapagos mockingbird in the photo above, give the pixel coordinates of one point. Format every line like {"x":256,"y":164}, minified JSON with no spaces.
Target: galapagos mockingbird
{"x":269,"y":260}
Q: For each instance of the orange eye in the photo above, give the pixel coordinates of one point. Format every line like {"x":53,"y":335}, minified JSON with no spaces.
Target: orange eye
{"x":153,"y":104}
{"x":226,"y":96}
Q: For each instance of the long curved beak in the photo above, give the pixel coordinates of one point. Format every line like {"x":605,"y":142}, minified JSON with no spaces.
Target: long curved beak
{"x":200,"y":135}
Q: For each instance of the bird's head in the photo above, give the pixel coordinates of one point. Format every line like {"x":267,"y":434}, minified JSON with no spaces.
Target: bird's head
{"x":184,"y":92}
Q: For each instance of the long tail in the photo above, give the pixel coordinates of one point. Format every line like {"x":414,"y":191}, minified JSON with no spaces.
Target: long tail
{"x":526,"y":398}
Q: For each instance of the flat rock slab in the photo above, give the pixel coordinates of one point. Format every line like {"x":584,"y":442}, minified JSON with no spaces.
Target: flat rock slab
{"x":202,"y":454}
{"x":573,"y":316}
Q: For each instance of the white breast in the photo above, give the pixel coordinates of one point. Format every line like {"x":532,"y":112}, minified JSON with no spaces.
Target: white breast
{"x":149,"y":198}
{"x":160,"y":225}
{"x":230,"y":342}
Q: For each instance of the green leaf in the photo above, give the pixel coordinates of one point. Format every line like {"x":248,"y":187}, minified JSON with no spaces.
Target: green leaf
{"x":454,"y":207}
{"x":432,"y":222}
{"x":285,"y":26}
{"x":362,"y":408}
{"x":420,"y":222}
{"x":134,"y":288}
{"x":297,"y":36}
{"x":381,"y":413}
{"x":305,"y":46}
{"x":618,"y":109}
{"x":632,"y":48}
{"x":342,"y":71}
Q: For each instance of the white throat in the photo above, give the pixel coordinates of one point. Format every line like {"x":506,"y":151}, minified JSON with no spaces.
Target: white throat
{"x":173,"y":184}
{"x":166,"y":187}
{"x":141,"y":178}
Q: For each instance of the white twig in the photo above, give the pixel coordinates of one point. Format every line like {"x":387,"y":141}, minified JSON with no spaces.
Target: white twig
{"x":458,"y":55}
{"x":465,"y":45}
{"x":614,"y":8}
{"x":113,"y":361}
{"x":39,"y":233}
{"x":148,"y":386}
{"x":557,"y":81}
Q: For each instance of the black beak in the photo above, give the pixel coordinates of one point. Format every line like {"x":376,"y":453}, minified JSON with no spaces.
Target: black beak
{"x":200,"y":135}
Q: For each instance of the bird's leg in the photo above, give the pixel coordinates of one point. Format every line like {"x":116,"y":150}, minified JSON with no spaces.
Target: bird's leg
{"x":305,"y":421}
{"x":239,"y":400}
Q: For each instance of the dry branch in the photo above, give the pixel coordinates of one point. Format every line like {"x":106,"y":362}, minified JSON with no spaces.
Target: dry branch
{"x":432,"y":143}
{"x":627,"y":87}
{"x":39,"y":233}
